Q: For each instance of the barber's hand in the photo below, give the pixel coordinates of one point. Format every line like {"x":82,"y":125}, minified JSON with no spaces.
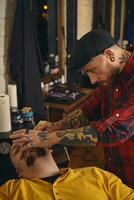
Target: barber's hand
{"x":15,"y":155}
{"x":34,"y":138}
{"x":46,"y":126}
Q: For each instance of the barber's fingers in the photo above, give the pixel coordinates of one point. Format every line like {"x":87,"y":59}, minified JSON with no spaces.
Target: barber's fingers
{"x":15,"y":154}
{"x":14,"y":149}
{"x":28,"y":146}
{"x":17,"y":133}
{"x":20,"y":134}
{"x":37,"y":142}
{"x":23,"y":139}
{"x":30,"y":140}
{"x":41,"y":125}
{"x":31,"y":144}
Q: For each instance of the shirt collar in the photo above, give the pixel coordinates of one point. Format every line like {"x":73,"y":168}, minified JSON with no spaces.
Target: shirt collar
{"x":64,"y":171}
{"x":129,"y":67}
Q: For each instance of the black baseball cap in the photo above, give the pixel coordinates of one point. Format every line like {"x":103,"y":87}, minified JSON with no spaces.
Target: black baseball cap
{"x":90,"y":45}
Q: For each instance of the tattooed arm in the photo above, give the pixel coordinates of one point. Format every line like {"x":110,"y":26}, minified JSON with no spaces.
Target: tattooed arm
{"x":74,"y":120}
{"x":71,"y":131}
{"x":86,"y":136}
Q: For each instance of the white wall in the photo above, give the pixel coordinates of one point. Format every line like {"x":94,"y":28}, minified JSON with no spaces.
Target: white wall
{"x":85,"y":16}
{"x":7,"y":8}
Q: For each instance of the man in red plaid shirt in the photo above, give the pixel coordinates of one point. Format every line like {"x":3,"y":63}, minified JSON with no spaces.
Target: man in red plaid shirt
{"x":107,"y":118}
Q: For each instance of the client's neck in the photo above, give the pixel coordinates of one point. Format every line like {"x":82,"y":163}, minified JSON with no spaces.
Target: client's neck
{"x":43,"y":167}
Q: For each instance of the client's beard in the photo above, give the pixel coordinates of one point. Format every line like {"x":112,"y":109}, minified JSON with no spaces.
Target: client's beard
{"x":31,"y":157}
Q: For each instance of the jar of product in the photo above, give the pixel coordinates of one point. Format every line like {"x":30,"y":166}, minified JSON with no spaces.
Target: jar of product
{"x":28,"y":118}
{"x":16,"y":119}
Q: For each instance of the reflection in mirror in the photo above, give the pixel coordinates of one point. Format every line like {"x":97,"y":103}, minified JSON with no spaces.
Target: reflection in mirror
{"x":47,"y":35}
{"x":42,"y":29}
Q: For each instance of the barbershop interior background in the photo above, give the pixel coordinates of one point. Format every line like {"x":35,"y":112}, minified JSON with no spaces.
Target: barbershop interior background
{"x":36,"y":40}
{"x":59,"y":25}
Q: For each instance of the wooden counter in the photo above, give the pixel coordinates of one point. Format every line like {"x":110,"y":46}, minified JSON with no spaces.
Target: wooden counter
{"x":57,"y":111}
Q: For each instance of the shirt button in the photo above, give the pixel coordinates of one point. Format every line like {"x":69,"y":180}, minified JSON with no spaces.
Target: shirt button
{"x":117,"y":115}
{"x":109,"y":159}
{"x":116,"y":89}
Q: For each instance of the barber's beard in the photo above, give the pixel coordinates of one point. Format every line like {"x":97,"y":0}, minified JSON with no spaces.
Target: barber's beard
{"x":114,"y":76}
{"x":111,"y":79}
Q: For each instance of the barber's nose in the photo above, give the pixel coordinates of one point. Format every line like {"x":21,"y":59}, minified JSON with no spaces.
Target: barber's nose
{"x":93,"y":78}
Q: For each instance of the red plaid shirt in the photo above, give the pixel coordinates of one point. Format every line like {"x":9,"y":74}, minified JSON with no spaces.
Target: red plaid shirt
{"x":115,"y":110}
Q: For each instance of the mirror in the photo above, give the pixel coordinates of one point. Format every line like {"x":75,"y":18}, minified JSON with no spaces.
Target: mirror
{"x":48,"y":38}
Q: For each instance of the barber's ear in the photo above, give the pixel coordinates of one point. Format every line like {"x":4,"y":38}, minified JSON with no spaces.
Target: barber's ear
{"x":109,"y":54}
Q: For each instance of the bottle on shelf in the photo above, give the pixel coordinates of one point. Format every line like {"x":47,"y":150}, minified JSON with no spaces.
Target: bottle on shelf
{"x":28,"y":118}
{"x":16,"y":119}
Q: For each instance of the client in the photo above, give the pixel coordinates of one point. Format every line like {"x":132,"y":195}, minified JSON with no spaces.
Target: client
{"x":40,"y":178}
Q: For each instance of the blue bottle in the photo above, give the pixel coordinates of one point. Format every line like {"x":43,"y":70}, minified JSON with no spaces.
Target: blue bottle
{"x":28,"y":118}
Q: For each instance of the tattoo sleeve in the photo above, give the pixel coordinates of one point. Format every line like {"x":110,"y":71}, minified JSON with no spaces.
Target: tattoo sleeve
{"x":85,"y":136}
{"x":75,"y":120}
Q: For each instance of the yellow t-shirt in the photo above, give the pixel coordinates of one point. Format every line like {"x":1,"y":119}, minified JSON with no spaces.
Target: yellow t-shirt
{"x":89,"y":183}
